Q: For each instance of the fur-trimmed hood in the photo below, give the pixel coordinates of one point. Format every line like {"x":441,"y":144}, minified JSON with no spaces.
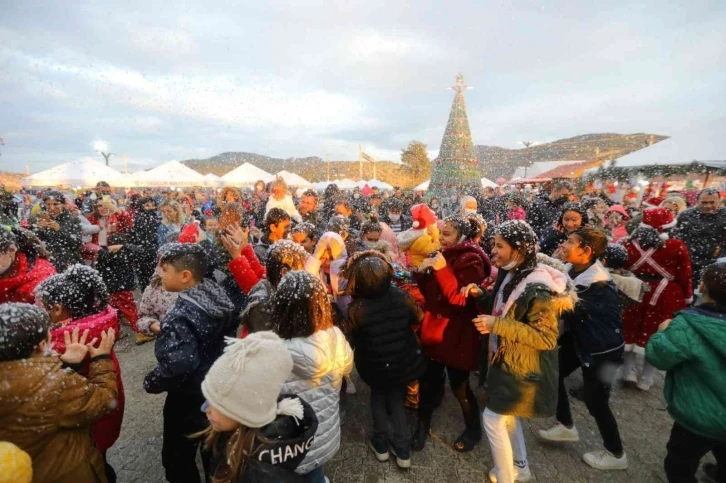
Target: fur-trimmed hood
{"x":563,"y":290}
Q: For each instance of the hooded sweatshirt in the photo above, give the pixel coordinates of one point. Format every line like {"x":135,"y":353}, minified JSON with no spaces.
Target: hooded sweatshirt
{"x":693,"y":352}
{"x":191,"y":338}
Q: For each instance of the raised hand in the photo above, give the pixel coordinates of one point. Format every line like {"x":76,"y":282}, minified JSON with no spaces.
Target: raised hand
{"x":76,"y":348}
{"x":484,"y":323}
{"x":234,"y":248}
{"x":239,"y":234}
{"x":472,"y":290}
{"x":104,"y":347}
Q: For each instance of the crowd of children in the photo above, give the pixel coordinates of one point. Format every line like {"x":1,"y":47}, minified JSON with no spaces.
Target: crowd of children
{"x":261,"y":308}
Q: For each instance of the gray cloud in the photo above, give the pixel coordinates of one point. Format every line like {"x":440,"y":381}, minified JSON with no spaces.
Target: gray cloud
{"x":162,"y":82}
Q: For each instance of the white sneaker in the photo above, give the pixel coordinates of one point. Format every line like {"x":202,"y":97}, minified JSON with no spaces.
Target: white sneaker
{"x":519,"y":475}
{"x":560,"y":432}
{"x":350,"y":387}
{"x":631,"y":375}
{"x":644,"y":384}
{"x":605,"y":460}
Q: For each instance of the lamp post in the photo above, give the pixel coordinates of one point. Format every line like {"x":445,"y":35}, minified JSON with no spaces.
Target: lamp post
{"x":102,"y":147}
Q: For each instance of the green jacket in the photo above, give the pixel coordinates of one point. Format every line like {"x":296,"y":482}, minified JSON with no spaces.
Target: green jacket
{"x":693,"y":351}
{"x":522,"y":379}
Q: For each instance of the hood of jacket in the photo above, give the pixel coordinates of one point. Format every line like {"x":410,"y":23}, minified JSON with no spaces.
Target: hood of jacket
{"x":95,"y":324}
{"x":554,"y":280}
{"x":595,"y":273}
{"x":23,"y":379}
{"x":292,"y":438}
{"x":209,"y":297}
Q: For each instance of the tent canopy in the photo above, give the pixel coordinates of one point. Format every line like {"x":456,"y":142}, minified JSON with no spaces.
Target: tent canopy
{"x":485,"y":183}
{"x":84,"y":172}
{"x":246,"y":175}
{"x":294,"y":180}
{"x":540,"y":167}
{"x":375,"y":183}
{"x":172,"y":173}
{"x":212,"y":180}
{"x":702,"y":143}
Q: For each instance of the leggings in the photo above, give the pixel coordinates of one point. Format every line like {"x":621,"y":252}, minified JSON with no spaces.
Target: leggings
{"x":431,"y":383}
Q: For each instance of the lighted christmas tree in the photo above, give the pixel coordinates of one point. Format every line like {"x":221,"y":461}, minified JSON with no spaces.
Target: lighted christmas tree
{"x":456,"y":170}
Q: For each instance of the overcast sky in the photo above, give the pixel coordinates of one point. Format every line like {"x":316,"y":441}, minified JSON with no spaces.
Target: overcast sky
{"x":191,"y":79}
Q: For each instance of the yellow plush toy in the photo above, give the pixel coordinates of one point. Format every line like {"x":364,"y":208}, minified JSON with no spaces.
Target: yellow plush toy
{"x":423,"y":237}
{"x":15,"y":464}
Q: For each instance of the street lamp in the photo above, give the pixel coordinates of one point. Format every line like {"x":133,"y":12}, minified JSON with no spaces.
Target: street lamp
{"x":101,"y":146}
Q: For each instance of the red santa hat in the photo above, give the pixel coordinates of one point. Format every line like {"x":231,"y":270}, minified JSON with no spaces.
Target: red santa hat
{"x":189,"y":233}
{"x":659,"y":219}
{"x":422,"y":216}
{"x":653,"y":202}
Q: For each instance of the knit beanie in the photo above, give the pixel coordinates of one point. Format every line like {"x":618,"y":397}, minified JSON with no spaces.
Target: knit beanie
{"x":15,"y":464}
{"x":244,"y":383}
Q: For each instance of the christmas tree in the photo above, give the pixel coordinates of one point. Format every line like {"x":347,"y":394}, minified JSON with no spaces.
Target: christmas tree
{"x":456,"y":170}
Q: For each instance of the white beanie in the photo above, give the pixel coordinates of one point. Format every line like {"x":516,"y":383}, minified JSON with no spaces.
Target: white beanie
{"x":245,"y":382}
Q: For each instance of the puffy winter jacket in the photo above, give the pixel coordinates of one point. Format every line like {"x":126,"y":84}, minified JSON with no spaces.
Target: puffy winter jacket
{"x":693,"y":351}
{"x":704,"y":234}
{"x":523,"y":372}
{"x":543,"y":213}
{"x":191,"y":339}
{"x":117,"y":269}
{"x":319,"y":364}
{"x":64,"y":244}
{"x":387,"y":353}
{"x":107,"y":430}
{"x":595,"y":320}
{"x":19,"y":282}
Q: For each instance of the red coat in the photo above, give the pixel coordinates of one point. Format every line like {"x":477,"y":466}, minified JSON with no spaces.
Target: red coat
{"x":22,"y":278}
{"x":124,"y":223}
{"x":107,"y":430}
{"x":447,"y":332}
{"x":669,"y":292}
{"x":247,"y":269}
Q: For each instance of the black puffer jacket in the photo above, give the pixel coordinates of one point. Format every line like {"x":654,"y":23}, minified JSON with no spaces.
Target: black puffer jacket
{"x":146,"y":224}
{"x":380,"y":320}
{"x":117,"y":269}
{"x":191,"y":339}
{"x":595,"y":322}
{"x":275,"y":462}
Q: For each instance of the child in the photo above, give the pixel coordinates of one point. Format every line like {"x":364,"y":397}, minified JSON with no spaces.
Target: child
{"x":370,"y":238}
{"x":155,"y":303}
{"x":692,"y":349}
{"x":422,"y":238}
{"x":23,"y":265}
{"x":172,"y":220}
{"x":306,"y":235}
{"x":258,"y":435}
{"x":211,"y":228}
{"x":53,"y":408}
{"x":116,"y":266}
{"x":615,"y":220}
{"x":592,"y":341}
{"x":78,"y":298}
{"x":321,"y":357}
{"x":190,"y":338}
{"x":387,"y":353}
{"x":280,"y":199}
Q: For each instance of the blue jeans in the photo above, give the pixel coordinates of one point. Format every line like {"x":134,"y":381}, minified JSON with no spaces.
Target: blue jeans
{"x":315,"y":476}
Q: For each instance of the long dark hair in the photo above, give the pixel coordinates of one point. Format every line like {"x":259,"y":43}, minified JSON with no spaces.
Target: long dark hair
{"x":241,"y":448}
{"x":80,"y":289}
{"x":520,"y":236}
{"x":300,"y":306}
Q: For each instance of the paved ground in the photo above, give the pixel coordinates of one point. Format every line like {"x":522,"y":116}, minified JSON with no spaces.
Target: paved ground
{"x":644,"y":425}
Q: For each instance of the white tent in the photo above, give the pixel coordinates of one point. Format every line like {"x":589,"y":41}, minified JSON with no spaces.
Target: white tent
{"x":212,"y":180}
{"x":294,"y":180}
{"x":485,"y":183}
{"x":246,"y":175}
{"x":172,"y":173}
{"x":538,"y":168}
{"x":346,"y":184}
{"x":704,"y":143}
{"x":375,"y":183}
{"x":84,"y":172}
{"x":321,"y":185}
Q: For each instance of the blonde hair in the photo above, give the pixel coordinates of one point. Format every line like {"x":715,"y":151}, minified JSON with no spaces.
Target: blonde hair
{"x":676,"y":200}
{"x":242,"y":447}
{"x":180,"y":216}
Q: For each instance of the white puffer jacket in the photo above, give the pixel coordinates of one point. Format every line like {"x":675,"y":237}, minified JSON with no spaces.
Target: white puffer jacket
{"x":319,"y":364}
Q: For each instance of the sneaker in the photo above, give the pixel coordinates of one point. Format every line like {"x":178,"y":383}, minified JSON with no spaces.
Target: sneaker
{"x":380,"y":450}
{"x":605,"y":460}
{"x":326,"y":479}
{"x":519,"y":475}
{"x":560,"y":432}
{"x":403,"y":461}
{"x":644,"y":384}
{"x":350,"y":387}
{"x":631,"y":375}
